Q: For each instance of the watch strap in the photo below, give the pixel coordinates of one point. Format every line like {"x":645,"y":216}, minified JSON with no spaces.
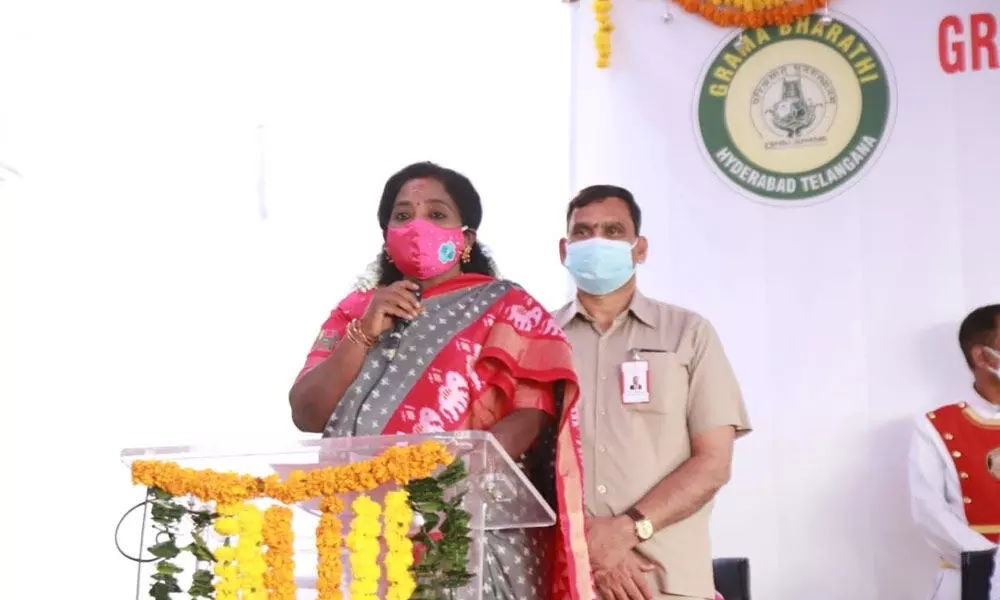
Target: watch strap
{"x":636,"y":515}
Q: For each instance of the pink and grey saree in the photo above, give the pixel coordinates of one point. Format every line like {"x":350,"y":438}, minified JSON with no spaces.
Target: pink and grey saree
{"x":482,"y":349}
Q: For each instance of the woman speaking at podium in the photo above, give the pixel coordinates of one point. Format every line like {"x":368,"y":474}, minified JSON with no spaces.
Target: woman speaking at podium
{"x":441,"y":344}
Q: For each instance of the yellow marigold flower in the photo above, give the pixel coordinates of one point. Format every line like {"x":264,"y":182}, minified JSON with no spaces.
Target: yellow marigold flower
{"x":364,"y":545}
{"x":363,"y":586}
{"x":253,"y":569}
{"x":227,"y":526}
{"x":225,"y":553}
{"x":226,"y":571}
{"x":247,"y":553}
{"x":399,"y":548}
{"x":395,"y":571}
{"x":364,"y":506}
{"x":401,"y":591}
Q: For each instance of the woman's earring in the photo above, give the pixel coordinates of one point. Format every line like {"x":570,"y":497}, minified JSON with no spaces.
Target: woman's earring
{"x":388,"y":257}
{"x":466,"y":255}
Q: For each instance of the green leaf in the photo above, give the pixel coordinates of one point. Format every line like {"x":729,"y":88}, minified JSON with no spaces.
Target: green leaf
{"x":431,"y":521}
{"x":167,"y":567}
{"x":202,"y":576}
{"x":161,"y":590}
{"x":199,"y":548}
{"x":167,"y":549}
{"x":455,"y":473}
{"x":456,"y":500}
{"x":167,"y":512}
{"x":159,"y":494}
{"x":423,"y":490}
{"x":443,"y":567}
{"x":202,"y":519}
{"x":201,"y":584}
{"x":430,"y":506}
{"x":424,"y":569}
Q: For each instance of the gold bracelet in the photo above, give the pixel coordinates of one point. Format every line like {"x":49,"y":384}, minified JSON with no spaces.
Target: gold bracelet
{"x":354,"y":334}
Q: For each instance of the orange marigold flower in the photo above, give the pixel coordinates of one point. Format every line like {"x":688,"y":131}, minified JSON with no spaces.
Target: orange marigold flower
{"x":399,"y":464}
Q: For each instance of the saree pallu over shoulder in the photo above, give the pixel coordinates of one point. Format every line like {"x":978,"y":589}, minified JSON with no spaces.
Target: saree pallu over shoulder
{"x":482,"y":349}
{"x":436,"y":357}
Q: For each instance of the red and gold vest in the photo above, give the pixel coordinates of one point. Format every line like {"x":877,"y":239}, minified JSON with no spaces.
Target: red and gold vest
{"x":974,"y":445}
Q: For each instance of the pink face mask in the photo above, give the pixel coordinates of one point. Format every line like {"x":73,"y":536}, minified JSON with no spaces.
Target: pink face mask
{"x":421,"y":249}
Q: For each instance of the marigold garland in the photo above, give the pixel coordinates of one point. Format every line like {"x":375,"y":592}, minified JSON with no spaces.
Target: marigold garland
{"x":249,"y":555}
{"x":329,"y":570}
{"x":602,"y":37}
{"x":227,"y":584}
{"x":243,"y":571}
{"x":399,"y":548}
{"x":278,"y":537}
{"x":750,"y":14}
{"x":399,"y":464}
{"x":363,"y":542}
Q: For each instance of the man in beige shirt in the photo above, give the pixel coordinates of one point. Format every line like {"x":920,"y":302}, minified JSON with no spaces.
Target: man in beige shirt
{"x":660,"y":409}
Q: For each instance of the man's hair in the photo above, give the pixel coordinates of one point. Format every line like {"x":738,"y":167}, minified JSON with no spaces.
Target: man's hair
{"x":597,"y":193}
{"x":978,"y":329}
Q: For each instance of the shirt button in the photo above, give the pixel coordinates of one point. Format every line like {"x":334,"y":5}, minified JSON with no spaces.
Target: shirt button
{"x":603,"y":412}
{"x":601,"y":489}
{"x":604,"y":377}
{"x":602,"y":448}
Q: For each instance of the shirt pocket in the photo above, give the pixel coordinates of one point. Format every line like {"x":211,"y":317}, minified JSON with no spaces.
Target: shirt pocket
{"x":668,"y":384}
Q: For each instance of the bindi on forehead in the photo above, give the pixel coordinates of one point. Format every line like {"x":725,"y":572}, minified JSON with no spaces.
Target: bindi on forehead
{"x":422,"y":186}
{"x":422,"y":190}
{"x":419,"y":192}
{"x":416,"y":185}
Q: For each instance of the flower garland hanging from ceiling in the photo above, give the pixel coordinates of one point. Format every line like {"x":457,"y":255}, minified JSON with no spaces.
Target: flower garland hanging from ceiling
{"x":725,"y":13}
{"x":602,"y":37}
{"x":752,"y":13}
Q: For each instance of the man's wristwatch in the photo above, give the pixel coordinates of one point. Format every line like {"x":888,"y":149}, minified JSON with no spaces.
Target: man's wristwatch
{"x":643,"y":526}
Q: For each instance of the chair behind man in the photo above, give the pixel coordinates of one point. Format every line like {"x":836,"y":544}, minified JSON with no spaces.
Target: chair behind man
{"x":732,"y":577}
{"x":977,"y":570}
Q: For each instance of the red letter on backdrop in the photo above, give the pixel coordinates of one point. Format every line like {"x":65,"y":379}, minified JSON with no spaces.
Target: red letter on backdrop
{"x":951,"y":53}
{"x":983,"y":36}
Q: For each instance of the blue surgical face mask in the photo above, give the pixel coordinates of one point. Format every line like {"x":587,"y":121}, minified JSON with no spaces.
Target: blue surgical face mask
{"x":600,"y":266}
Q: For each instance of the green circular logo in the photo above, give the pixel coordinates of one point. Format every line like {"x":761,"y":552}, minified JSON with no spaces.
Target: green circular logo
{"x":794,"y":114}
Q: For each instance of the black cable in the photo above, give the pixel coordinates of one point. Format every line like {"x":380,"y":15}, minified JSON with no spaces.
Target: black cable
{"x":142,"y":534}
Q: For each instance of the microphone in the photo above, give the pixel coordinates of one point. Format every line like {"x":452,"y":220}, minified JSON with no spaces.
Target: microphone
{"x":396,"y":335}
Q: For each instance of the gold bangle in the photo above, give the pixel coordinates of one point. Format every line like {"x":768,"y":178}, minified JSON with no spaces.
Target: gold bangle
{"x":354,"y":334}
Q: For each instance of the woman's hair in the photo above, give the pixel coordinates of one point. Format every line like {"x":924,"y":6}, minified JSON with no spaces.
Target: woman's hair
{"x":470,"y":210}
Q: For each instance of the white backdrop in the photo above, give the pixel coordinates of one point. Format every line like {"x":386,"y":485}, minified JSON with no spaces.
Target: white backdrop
{"x":840,"y":318}
{"x":152,"y":304}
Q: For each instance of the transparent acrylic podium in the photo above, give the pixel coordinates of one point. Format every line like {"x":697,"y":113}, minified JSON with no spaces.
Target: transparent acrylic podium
{"x":498,"y":494}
